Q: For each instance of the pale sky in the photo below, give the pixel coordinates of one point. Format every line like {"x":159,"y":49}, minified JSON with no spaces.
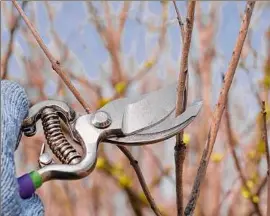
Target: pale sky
{"x":89,"y":53}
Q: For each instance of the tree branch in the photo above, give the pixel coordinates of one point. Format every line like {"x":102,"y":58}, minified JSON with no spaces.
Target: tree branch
{"x":123,"y":16}
{"x":265,"y":139}
{"x":158,"y":162}
{"x":236,"y":160}
{"x":220,"y":108}
{"x":181,"y":24}
{"x":12,"y":29}
{"x":55,"y":64}
{"x":134,"y":164}
{"x":153,"y":59}
{"x":181,"y":101}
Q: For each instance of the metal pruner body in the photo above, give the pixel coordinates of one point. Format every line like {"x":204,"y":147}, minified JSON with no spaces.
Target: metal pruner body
{"x":141,"y":120}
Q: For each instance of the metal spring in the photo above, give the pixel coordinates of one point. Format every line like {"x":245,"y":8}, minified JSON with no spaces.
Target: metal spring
{"x":56,"y":140}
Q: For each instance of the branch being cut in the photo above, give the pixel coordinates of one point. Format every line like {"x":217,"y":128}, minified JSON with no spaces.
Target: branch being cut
{"x":220,"y":108}
{"x":138,"y":171}
{"x":55,"y":64}
{"x":181,"y":101}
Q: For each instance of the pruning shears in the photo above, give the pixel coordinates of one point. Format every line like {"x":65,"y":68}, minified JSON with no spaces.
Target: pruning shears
{"x":141,"y":120}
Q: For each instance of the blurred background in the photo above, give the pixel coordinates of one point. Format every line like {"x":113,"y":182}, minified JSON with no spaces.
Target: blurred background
{"x":116,"y":49}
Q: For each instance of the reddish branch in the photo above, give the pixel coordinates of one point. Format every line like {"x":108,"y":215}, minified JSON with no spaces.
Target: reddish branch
{"x":165,"y":172}
{"x":111,"y":37}
{"x":220,"y":108}
{"x":12,"y":29}
{"x":55,"y":64}
{"x":236,"y":160}
{"x":153,"y":59}
{"x":138,"y":171}
{"x":62,"y":46}
{"x":181,"y":24}
{"x":180,"y":148}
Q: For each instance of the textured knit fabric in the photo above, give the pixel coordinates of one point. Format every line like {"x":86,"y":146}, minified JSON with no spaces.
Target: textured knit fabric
{"x":14,"y":108}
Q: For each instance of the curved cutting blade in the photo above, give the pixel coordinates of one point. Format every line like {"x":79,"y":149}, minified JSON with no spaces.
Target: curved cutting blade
{"x":131,"y":115}
{"x":165,"y":129}
{"x":152,"y":109}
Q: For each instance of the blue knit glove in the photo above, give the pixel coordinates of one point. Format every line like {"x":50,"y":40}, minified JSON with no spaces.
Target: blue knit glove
{"x":14,"y":108}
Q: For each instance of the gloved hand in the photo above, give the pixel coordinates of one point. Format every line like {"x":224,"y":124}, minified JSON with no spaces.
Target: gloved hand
{"x":14,"y":108}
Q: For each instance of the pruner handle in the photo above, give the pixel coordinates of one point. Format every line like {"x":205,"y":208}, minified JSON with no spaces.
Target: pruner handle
{"x":89,"y":137}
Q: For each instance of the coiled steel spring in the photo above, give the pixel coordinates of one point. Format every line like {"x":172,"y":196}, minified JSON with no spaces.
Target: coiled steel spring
{"x":56,"y":140}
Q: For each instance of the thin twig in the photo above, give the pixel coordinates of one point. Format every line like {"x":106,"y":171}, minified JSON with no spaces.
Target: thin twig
{"x":82,"y":80}
{"x":159,"y":164}
{"x":134,"y":198}
{"x":181,"y":24}
{"x":138,"y":171}
{"x":181,"y":101}
{"x":13,"y":28}
{"x":225,"y":196}
{"x":235,"y":158}
{"x":152,"y":60}
{"x":111,"y":38}
{"x":123,"y":16}
{"x":261,"y":186}
{"x":219,"y":109}
{"x":264,"y":135}
{"x":265,"y":139}
{"x":55,"y":64}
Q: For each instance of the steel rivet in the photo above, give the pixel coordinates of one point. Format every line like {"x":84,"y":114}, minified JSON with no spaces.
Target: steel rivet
{"x":45,"y":159}
{"x":101,"y":119}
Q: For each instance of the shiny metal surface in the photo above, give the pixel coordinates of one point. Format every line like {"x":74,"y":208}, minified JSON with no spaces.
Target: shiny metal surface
{"x":101,"y":119}
{"x":56,"y":140}
{"x":165,"y":129}
{"x":132,"y":114}
{"x":66,"y":113}
{"x":148,"y":111}
{"x":44,"y":158}
{"x":142,"y":120}
{"x":90,"y":137}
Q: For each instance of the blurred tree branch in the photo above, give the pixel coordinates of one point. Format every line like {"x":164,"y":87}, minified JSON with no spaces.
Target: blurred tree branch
{"x":164,"y":172}
{"x":267,"y":154}
{"x":231,"y":143}
{"x":66,"y":52}
{"x":13,"y":27}
{"x":220,"y":108}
